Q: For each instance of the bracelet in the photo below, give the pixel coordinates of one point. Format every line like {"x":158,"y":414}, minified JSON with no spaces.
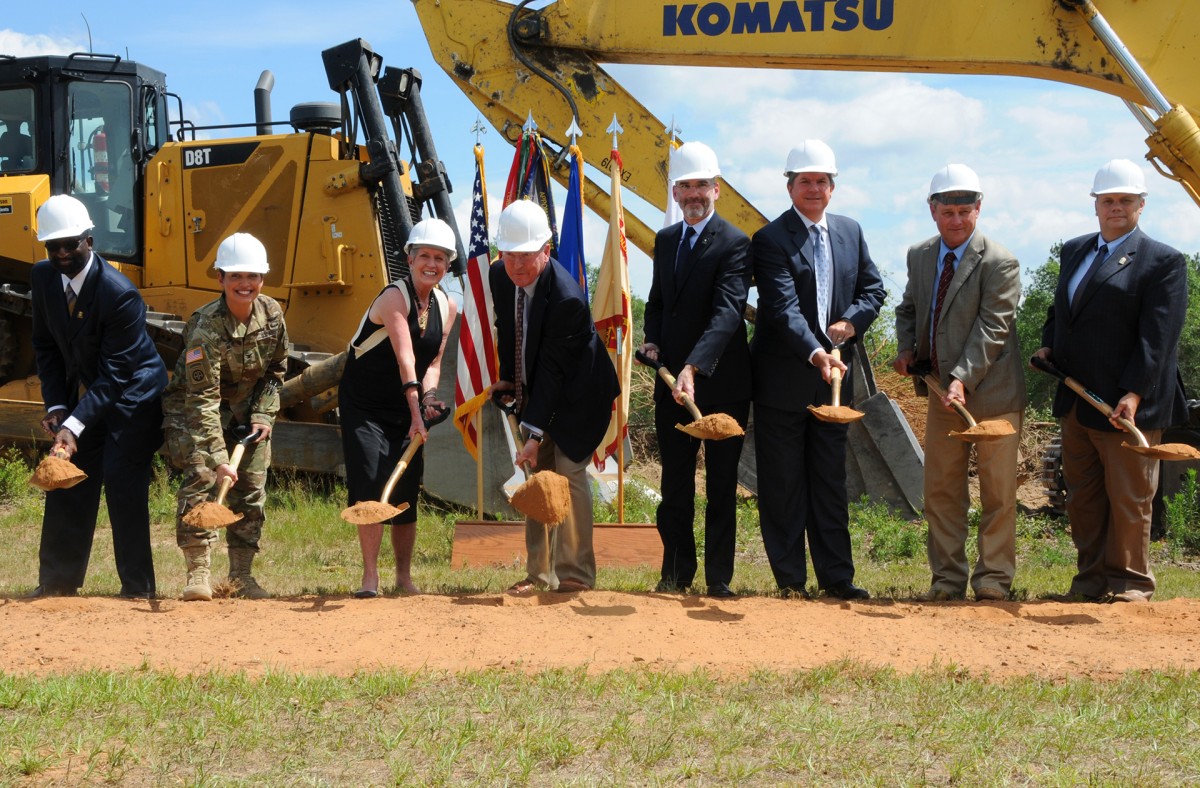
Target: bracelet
{"x":412,"y":384}
{"x":431,"y":394}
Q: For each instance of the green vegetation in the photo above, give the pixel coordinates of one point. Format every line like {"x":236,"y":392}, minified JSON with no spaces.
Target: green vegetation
{"x":1181,"y":516}
{"x":841,"y":724}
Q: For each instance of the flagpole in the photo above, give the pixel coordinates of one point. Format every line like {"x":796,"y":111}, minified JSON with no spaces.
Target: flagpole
{"x":620,"y":449}
{"x":478,"y":419}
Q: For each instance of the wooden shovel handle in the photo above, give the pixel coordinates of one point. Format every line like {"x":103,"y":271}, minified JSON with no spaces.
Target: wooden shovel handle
{"x":1092,"y":398}
{"x":940,"y":393}
{"x":835,"y":379}
{"x":669,"y":379}
{"x":405,"y":459}
{"x":235,"y":459}
{"x":516,"y":431}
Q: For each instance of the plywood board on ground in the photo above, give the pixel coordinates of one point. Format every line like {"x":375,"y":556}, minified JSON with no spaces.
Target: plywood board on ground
{"x":491,"y":543}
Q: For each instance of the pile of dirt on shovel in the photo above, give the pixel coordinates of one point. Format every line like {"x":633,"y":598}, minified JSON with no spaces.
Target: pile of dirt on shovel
{"x":546,"y":497}
{"x":54,"y":473}
{"x":719,"y":425}
{"x":210,"y":515}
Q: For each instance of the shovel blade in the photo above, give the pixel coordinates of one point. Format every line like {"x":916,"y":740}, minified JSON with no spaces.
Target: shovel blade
{"x":371,"y":512}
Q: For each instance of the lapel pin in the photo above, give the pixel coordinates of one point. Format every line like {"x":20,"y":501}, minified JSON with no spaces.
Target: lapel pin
{"x":1123,"y":260}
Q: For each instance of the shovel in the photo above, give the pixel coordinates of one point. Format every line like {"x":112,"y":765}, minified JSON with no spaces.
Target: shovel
{"x":56,"y":472}
{"x":976,"y":432}
{"x":1163,"y":451}
{"x":544,"y":496}
{"x":213,"y":514}
{"x":371,"y":512}
{"x":836,"y":412}
{"x":716,"y":426}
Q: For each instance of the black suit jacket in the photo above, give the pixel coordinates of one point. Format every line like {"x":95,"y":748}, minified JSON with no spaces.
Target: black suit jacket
{"x":102,"y":347}
{"x":696,"y":318}
{"x":1123,"y":333}
{"x":787,"y":330}
{"x":572,"y":382}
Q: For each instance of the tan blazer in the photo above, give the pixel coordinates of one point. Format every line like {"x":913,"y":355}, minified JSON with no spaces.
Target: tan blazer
{"x":977,"y":333}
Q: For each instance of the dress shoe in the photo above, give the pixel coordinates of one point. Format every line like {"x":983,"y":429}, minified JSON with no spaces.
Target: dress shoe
{"x":941,"y":595}
{"x":366,"y":593}
{"x":846,"y":590}
{"x":1131,"y":596}
{"x":721,"y":591}
{"x":1074,"y":597}
{"x":670,"y":587}
{"x":570,"y":586}
{"x":794,"y":592}
{"x":47,"y":591}
{"x":988,"y":594}
{"x":136,"y":595}
{"x":523,"y":587}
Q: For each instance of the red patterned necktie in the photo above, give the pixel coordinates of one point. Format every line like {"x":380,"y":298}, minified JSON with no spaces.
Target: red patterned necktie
{"x":519,"y":383}
{"x":943,"y":286}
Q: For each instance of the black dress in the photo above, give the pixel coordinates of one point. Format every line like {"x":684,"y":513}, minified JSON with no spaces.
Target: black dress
{"x":374,"y":411}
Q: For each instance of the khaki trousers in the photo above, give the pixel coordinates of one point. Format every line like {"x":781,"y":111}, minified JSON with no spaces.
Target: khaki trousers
{"x":947,"y":503}
{"x":570,"y":542}
{"x":1110,"y":500}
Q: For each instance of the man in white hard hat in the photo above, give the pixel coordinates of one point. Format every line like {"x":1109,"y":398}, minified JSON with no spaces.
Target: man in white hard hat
{"x":556,"y":372}
{"x":1114,"y":326}
{"x":818,"y":291}
{"x":102,"y":382}
{"x":694,"y":327}
{"x":225,"y":389}
{"x":957,"y":322}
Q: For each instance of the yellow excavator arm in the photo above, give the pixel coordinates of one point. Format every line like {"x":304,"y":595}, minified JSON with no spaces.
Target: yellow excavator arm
{"x":512,"y":61}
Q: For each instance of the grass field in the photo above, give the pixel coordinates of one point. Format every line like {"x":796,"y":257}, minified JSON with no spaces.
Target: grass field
{"x":840,"y":724}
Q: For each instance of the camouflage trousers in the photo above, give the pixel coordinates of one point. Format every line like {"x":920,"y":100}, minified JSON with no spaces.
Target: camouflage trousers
{"x":247,"y":497}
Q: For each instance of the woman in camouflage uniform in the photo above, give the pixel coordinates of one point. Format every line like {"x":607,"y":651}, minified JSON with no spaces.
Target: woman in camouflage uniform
{"x":225,"y":385}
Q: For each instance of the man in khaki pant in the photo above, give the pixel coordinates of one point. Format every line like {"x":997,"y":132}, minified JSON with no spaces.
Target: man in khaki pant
{"x":959,"y":316}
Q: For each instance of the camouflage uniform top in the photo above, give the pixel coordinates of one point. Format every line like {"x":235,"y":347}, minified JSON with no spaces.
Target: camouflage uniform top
{"x":227,"y":373}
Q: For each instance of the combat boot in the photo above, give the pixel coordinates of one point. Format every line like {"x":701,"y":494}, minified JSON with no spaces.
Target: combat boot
{"x":240,"y":559}
{"x":199,"y":585}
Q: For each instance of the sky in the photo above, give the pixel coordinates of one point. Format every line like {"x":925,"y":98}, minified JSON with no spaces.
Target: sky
{"x":1036,"y":145}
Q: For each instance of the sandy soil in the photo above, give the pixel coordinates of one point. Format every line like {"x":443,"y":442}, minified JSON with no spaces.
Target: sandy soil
{"x":598,"y":630}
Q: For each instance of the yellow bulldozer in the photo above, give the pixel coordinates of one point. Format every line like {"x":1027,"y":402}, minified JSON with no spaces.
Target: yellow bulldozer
{"x":331,"y":198}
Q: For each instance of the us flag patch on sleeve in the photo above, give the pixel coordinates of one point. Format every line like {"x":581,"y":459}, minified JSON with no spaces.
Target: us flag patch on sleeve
{"x":194,"y":354}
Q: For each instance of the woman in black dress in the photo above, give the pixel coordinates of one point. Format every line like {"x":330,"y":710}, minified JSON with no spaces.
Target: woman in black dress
{"x":389,"y":390}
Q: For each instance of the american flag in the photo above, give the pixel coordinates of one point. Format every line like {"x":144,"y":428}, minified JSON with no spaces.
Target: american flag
{"x":477,"y":364}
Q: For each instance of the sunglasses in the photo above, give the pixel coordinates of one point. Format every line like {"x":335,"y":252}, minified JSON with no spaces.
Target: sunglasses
{"x":65,"y":245}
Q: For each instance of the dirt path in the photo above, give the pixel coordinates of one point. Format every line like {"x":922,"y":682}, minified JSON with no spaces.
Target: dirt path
{"x":599,"y":630}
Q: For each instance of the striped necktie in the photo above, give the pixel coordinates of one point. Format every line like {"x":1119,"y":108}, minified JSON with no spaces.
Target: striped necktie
{"x":943,"y":286}
{"x":72,"y":298}
{"x":519,"y":383}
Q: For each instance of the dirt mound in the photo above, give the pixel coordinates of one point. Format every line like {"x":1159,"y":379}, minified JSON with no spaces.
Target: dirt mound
{"x":600,"y":630}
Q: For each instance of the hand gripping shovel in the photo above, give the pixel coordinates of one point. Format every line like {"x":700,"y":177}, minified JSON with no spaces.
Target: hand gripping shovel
{"x":716,"y":426}
{"x":990,"y":430}
{"x":371,"y":512}
{"x":1163,"y":451}
{"x":214,"y":514}
{"x":56,"y":472}
{"x":837,"y":413}
{"x":544,"y":496}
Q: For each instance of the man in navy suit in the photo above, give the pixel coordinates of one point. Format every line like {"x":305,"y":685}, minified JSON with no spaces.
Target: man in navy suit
{"x":556,"y":371}
{"x":694,"y":327}
{"x":1114,"y":326}
{"x":102,"y":382}
{"x":817,"y":289}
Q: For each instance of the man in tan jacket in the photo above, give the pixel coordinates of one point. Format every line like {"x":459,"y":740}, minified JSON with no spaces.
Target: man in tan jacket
{"x":958,"y":316}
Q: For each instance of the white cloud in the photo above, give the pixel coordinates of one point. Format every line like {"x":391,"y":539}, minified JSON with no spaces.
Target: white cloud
{"x":24,"y":45}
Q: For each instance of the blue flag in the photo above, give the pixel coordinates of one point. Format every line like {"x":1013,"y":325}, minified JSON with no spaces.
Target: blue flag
{"x":570,"y":245}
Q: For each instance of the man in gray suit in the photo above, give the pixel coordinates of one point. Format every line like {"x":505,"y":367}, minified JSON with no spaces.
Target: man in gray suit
{"x":1115,"y":323}
{"x":958,"y":316}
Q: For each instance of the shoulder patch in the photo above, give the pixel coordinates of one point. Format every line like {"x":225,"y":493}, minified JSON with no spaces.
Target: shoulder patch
{"x":193,"y":355}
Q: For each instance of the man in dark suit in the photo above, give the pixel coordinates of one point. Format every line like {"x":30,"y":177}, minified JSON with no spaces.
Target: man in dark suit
{"x":958,"y":315}
{"x":102,"y":381}
{"x":556,"y":371}
{"x":1114,"y":326}
{"x":694,"y":327}
{"x":817,"y":290}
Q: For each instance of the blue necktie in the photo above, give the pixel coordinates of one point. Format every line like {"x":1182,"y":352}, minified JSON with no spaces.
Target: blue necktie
{"x":824,"y":273}
{"x":685,"y":251}
{"x":1101,"y":253}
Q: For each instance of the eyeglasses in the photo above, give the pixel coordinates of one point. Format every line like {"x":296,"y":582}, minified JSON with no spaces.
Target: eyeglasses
{"x":64,"y":245}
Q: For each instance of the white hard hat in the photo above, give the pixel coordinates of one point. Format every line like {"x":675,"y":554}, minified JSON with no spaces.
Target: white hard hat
{"x":1119,"y":176}
{"x":694,"y":161}
{"x":435,"y":233}
{"x":242,"y":253}
{"x":811,"y":156}
{"x":955,"y":178}
{"x":62,"y":216}
{"x":523,"y":228}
